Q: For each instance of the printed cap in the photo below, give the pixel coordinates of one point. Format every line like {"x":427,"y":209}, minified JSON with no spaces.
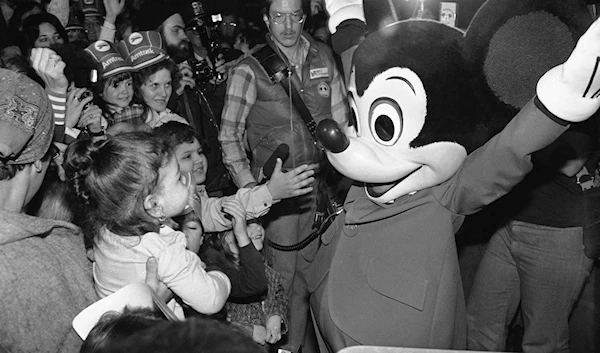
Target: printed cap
{"x":107,"y":59}
{"x":142,"y":49}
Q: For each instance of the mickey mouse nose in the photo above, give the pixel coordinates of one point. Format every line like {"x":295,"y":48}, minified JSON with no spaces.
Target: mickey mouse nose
{"x":331,"y":136}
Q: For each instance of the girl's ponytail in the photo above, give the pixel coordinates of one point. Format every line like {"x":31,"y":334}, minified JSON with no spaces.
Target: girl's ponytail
{"x":79,"y":164}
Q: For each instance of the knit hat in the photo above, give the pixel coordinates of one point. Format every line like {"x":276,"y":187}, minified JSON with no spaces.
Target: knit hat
{"x":26,"y":120}
{"x":107,"y":59}
{"x":76,"y":20}
{"x":142,"y":49}
{"x":153,"y":14}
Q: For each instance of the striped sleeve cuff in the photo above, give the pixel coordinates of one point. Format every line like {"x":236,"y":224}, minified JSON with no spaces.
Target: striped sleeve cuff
{"x":59,"y":102}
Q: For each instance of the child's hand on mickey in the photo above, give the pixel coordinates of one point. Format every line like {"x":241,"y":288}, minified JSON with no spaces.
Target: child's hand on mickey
{"x":273,"y":329}
{"x":259,"y":335}
{"x":294,"y":183}
{"x":234,"y":208}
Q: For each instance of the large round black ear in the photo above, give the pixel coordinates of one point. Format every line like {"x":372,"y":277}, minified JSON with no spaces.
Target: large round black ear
{"x":514,"y":42}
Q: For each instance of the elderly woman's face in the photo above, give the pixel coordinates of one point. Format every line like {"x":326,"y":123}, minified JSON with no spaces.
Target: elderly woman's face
{"x":48,"y":36}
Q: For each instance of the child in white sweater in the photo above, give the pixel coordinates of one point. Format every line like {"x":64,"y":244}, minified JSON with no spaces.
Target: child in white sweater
{"x":129,"y":186}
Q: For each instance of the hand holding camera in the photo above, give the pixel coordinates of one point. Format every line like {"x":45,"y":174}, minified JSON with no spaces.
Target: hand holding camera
{"x":91,"y":118}
{"x":187,"y":78}
{"x":204,"y":27}
{"x":77,"y":99}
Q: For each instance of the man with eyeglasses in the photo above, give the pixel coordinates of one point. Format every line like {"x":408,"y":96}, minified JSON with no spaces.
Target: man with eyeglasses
{"x":228,"y":28}
{"x":258,"y":117}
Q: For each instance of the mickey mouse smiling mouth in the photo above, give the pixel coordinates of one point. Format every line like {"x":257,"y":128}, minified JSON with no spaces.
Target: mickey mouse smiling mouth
{"x":378,"y":190}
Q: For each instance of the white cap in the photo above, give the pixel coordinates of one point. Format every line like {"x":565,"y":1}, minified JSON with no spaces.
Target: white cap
{"x":135,"y":295}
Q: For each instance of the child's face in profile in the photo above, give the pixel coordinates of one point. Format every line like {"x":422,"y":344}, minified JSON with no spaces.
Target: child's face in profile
{"x":256,"y":233}
{"x":194,"y":235}
{"x":173,"y":190}
{"x":191,"y":159}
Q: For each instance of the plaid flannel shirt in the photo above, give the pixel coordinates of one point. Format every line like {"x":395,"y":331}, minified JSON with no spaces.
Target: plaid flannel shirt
{"x":133,"y":114}
{"x":241,"y":96}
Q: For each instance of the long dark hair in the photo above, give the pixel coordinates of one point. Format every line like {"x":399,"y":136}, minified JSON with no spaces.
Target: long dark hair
{"x":31,"y":28}
{"x":112,"y":178}
{"x":217,"y":242}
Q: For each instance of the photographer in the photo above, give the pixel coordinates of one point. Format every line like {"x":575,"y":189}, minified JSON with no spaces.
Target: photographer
{"x":200,"y":106}
{"x":209,"y":60}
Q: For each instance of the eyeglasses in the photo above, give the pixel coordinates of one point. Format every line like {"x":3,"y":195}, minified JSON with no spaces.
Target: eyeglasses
{"x":279,"y":18}
{"x":230,"y":24}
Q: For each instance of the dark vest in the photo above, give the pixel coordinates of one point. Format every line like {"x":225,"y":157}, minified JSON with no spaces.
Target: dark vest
{"x":270,"y":121}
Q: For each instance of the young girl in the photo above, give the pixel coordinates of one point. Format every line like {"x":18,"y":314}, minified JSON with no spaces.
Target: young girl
{"x":263,"y":317}
{"x":257,"y":200}
{"x":129,"y":186}
{"x":113,"y":91}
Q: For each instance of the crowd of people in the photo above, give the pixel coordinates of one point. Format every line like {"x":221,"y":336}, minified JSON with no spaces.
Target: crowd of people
{"x":132,"y":120}
{"x":146,"y":147}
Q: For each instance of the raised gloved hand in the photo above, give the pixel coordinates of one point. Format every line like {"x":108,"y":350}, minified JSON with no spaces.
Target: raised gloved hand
{"x":571,"y":91}
{"x":341,"y":10}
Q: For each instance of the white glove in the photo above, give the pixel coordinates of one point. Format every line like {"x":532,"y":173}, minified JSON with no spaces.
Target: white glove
{"x":341,"y":10}
{"x":571,"y":90}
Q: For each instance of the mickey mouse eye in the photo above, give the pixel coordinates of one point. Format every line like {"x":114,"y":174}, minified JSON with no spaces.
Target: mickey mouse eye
{"x":385,"y":121}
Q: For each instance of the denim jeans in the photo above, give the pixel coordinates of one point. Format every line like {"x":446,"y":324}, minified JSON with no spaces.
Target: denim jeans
{"x":543,"y":269}
{"x":288,"y":222}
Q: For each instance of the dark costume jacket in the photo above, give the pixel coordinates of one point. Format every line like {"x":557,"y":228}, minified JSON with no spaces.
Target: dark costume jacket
{"x":388,"y":275}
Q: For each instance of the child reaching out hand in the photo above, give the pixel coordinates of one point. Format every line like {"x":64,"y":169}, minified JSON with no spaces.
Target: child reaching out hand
{"x":129,"y":186}
{"x":256,"y":201}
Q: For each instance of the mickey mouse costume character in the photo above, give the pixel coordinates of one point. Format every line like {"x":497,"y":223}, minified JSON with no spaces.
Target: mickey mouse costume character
{"x":387,"y":271}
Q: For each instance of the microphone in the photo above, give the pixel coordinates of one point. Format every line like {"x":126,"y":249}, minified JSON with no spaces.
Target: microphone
{"x":282,"y":151}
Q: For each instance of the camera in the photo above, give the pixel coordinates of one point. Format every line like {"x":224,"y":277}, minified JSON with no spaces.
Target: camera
{"x":202,"y":71}
{"x":205,"y":26}
{"x":84,"y":95}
